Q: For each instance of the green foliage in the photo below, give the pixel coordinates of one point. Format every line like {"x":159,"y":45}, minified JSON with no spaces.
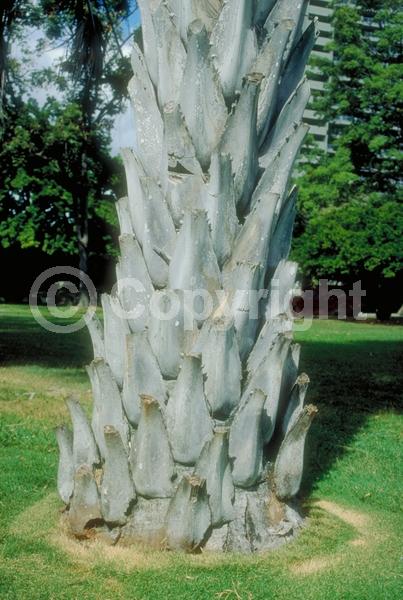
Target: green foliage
{"x":365,"y":88}
{"x":347,"y":239}
{"x":350,"y":221}
{"x":328,"y":180}
{"x":13,"y":14}
{"x":39,"y":166}
{"x":58,"y":180}
{"x":91,"y":32}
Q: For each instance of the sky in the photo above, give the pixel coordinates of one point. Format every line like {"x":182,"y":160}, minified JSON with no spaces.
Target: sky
{"x":123,"y":132}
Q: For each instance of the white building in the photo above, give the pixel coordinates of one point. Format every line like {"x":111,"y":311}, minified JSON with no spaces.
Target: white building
{"x":323,"y":11}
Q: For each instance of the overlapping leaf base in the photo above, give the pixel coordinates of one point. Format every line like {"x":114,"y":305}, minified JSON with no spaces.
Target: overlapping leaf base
{"x":197,"y":433}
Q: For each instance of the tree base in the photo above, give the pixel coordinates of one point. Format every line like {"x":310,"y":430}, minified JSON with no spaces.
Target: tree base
{"x":261,"y":523}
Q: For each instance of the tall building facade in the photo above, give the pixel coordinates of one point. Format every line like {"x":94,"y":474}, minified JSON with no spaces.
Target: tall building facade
{"x":322,"y":10}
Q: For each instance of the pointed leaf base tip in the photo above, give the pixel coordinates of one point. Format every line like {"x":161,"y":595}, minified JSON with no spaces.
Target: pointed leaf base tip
{"x":189,"y":516}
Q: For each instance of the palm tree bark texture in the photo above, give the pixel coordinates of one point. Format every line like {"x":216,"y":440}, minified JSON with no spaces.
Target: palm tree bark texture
{"x":197,"y":433}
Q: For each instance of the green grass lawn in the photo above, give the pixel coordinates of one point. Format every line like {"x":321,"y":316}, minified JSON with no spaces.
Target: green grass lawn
{"x":350,"y":548}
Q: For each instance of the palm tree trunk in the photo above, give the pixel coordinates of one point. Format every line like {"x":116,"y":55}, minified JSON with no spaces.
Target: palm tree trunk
{"x":198,"y":428}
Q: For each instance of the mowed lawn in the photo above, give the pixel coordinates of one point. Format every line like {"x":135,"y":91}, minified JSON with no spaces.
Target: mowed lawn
{"x":350,"y":549}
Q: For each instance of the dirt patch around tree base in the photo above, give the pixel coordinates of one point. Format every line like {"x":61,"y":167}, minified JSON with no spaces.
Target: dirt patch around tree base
{"x":44,"y":520}
{"x":359,"y":521}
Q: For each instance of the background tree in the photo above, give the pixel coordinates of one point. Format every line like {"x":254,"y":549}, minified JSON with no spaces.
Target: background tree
{"x":99,"y":74}
{"x":58,"y":180}
{"x":12,"y":14}
{"x":349,"y":221}
{"x":37,"y":161}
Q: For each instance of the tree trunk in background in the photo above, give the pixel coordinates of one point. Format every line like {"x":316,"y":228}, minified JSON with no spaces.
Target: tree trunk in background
{"x":197,"y":434}
{"x":81,"y":228}
{"x":82,"y":238}
{"x":9,"y":15}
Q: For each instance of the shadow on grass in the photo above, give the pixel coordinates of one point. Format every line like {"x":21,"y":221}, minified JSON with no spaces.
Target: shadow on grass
{"x":350,"y":381}
{"x":24,"y":342}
